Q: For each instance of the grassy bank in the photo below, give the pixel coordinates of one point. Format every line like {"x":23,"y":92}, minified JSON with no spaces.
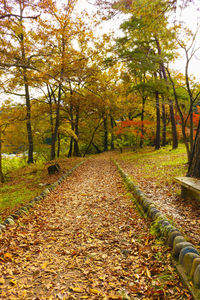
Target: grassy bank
{"x":163,"y":164}
{"x":24,"y":182}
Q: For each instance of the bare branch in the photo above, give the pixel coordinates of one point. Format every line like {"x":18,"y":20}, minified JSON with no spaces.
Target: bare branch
{"x":17,"y":16}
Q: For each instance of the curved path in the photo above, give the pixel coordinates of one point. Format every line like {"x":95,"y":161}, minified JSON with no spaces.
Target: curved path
{"x":86,"y":241}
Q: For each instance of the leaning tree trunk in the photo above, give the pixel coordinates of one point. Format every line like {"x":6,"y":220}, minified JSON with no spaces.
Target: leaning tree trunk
{"x":194,"y":165}
{"x":92,"y":138}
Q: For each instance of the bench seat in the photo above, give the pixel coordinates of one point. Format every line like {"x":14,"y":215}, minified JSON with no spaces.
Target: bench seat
{"x":190,"y":187}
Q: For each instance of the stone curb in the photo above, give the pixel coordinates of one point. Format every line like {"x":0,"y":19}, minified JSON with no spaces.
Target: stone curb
{"x":11,"y":220}
{"x":185,"y":253}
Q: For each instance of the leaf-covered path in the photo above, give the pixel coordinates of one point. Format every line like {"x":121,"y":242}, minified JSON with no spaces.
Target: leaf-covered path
{"x":86,"y":241}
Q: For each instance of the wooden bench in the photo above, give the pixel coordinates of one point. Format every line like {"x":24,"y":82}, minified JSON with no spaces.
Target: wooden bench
{"x":190,"y":187}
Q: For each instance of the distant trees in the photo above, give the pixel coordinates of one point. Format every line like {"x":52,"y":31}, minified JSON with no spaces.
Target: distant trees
{"x":86,"y":94}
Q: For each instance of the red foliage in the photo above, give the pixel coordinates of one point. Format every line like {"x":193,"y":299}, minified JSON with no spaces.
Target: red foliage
{"x":133,"y":126}
{"x":196,"y":117}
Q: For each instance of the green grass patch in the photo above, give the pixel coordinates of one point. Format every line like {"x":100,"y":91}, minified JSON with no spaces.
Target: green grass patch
{"x":12,"y":164}
{"x":163,"y":164}
{"x":17,"y":194}
{"x":24,"y":182}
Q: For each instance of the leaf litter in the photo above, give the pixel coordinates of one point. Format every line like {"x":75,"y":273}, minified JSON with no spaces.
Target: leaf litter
{"x":184,"y":212}
{"x":86,"y":241}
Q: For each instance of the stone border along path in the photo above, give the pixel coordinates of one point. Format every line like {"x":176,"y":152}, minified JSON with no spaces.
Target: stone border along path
{"x":184,"y":253}
{"x":11,"y":219}
{"x":85,"y":241}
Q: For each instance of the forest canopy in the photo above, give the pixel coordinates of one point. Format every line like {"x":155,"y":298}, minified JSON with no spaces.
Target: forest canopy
{"x":69,"y":91}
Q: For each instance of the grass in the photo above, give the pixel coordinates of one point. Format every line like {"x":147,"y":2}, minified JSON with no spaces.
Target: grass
{"x":164,"y":164}
{"x":24,"y":182}
{"x":11,"y":164}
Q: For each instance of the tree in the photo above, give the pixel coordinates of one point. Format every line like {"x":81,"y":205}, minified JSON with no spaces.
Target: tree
{"x":10,"y":115}
{"x":18,"y":50}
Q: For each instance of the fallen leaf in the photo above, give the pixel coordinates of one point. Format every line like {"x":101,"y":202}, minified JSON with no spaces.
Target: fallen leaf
{"x":8,"y":256}
{"x":44,"y":265}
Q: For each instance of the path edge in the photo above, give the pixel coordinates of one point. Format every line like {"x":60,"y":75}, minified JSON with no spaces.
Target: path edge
{"x":185,"y":257}
{"x":12,"y":219}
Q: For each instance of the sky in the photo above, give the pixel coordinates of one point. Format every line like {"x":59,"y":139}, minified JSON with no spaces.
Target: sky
{"x":190,"y":17}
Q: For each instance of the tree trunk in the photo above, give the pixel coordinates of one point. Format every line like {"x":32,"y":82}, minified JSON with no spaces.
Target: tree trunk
{"x":172,"y":118}
{"x":97,"y":148}
{"x":194,"y":165}
{"x":2,"y":180}
{"x":142,"y":124}
{"x":72,"y":124}
{"x":92,"y":138}
{"x":57,"y":122}
{"x":183,"y":123}
{"x":70,"y":147}
{"x":76,"y":130}
{"x":164,"y":124}
{"x":28,"y":121}
{"x":58,"y":149}
{"x":50,"y":109}
{"x":112,"y":123}
{"x":191,"y":130}
{"x":173,"y":123}
{"x":105,"y":143}
{"x":26,"y":87}
{"x":157,"y":140}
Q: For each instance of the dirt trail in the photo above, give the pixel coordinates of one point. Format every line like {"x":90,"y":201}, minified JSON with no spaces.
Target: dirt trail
{"x":86,"y":241}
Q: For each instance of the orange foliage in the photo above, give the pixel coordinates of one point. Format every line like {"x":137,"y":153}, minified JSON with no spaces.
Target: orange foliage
{"x":133,"y":126}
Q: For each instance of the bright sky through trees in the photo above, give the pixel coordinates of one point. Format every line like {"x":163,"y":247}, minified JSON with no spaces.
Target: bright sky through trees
{"x":191,"y":18}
